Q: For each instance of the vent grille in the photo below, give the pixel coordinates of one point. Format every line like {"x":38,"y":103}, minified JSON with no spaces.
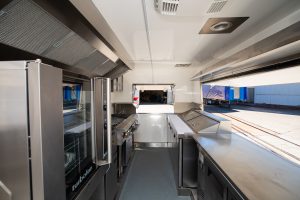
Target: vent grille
{"x":217,"y":6}
{"x":167,"y":7}
{"x":70,"y":49}
{"x":183,"y":65}
{"x":25,"y":26}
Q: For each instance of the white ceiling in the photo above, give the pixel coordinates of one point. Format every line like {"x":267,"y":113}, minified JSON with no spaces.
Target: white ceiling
{"x":175,"y":39}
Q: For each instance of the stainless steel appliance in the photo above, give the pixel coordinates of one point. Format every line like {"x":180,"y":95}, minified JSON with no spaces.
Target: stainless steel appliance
{"x":125,"y":140}
{"x":111,"y":177}
{"x":79,"y":165}
{"x":183,"y":153}
{"x":31,"y":144}
{"x":102,"y":116}
{"x":46,"y":152}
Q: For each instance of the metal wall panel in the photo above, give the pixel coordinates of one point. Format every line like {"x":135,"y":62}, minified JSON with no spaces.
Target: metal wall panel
{"x":46,"y":127}
{"x":152,"y":129}
{"x":14,"y":154}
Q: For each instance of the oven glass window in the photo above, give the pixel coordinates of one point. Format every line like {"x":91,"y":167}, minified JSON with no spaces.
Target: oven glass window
{"x":77,"y":136}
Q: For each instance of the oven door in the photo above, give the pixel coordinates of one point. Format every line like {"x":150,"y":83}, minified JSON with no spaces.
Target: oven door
{"x":79,"y":166}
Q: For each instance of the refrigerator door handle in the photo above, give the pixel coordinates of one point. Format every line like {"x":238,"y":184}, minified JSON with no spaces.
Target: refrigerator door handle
{"x":5,"y":193}
{"x":107,"y":108}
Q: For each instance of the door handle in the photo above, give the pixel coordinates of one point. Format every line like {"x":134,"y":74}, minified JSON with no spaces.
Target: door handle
{"x":5,"y":193}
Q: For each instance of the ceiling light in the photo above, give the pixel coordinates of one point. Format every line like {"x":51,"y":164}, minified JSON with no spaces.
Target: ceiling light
{"x":220,"y":26}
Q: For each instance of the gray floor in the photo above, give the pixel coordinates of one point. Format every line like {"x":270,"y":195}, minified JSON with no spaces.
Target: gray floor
{"x":150,"y":177}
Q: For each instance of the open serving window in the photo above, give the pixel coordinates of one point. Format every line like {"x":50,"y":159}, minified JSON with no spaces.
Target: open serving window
{"x":153,"y":94}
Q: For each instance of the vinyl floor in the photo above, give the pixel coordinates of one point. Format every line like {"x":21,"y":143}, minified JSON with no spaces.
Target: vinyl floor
{"x":150,"y":177}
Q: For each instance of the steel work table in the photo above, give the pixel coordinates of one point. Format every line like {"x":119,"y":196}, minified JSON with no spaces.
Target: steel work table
{"x":256,"y":172}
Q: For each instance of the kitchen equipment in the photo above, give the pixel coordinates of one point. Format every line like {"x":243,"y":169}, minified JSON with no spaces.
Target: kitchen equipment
{"x":125,"y":140}
{"x":47,"y":133}
{"x":102,"y":115}
{"x":31,"y":144}
{"x":79,"y":165}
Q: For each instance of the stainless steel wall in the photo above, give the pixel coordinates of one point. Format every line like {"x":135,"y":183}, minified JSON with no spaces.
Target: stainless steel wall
{"x":152,"y":128}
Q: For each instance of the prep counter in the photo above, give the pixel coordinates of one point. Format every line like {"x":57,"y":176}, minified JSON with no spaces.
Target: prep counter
{"x":238,"y":168}
{"x":252,"y":171}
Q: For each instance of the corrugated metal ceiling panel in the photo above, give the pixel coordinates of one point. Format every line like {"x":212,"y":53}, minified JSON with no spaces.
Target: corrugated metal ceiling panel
{"x":70,"y":50}
{"x":25,"y":26}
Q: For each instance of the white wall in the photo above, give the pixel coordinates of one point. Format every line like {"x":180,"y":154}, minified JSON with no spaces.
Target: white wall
{"x":197,"y":98}
{"x":162,"y":73}
{"x":282,"y":94}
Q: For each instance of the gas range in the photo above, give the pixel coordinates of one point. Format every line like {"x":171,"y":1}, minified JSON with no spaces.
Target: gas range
{"x":123,"y":126}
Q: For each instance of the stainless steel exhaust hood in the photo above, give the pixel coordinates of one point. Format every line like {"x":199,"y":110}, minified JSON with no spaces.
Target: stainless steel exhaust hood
{"x":57,"y":31}
{"x":117,"y":71}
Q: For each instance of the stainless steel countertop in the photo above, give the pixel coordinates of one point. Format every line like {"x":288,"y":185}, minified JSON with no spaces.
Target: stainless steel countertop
{"x":257,"y":172}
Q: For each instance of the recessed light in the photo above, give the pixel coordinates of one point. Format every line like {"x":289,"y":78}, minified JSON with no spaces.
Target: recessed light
{"x":220,"y":26}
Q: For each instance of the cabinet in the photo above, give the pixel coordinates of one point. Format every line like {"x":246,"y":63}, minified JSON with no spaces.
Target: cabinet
{"x":111,"y":177}
{"x":189,"y":152}
{"x":173,"y":150}
{"x":212,"y":184}
{"x":183,"y":153}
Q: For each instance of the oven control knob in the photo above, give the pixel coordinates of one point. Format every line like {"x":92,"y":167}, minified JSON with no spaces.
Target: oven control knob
{"x":104,"y":107}
{"x":105,"y":125}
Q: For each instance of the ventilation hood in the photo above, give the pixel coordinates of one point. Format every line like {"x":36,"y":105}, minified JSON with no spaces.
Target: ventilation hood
{"x":117,"y":71}
{"x":39,"y":28}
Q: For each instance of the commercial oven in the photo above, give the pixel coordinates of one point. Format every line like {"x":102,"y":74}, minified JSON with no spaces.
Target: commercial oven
{"x":49,"y":143}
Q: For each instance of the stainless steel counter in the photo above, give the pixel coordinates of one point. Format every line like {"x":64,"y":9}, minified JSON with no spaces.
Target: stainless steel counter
{"x":258,"y":173}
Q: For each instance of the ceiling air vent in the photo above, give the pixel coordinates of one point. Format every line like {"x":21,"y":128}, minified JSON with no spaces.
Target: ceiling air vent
{"x":166,"y":7}
{"x":217,"y":6}
{"x":183,"y":65}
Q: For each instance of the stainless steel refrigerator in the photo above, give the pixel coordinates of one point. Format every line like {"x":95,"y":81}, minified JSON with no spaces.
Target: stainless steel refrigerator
{"x":55,"y":133}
